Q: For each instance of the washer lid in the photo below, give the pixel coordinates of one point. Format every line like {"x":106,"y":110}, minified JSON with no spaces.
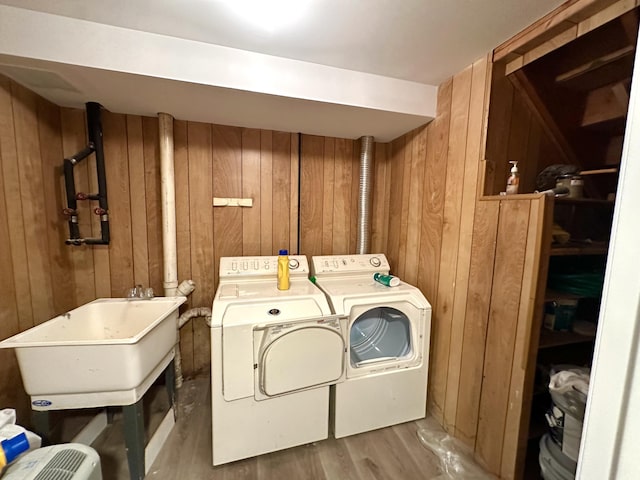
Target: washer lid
{"x":302,"y":300}
{"x":301,"y":358}
{"x":275,"y":310}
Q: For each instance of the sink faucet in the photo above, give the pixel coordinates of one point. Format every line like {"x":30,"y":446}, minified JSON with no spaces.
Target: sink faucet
{"x":140,"y":292}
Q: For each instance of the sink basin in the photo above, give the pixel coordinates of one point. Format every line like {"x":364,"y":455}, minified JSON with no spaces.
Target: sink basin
{"x":106,"y":352}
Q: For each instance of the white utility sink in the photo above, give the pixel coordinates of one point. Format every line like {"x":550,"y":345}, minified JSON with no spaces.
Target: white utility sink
{"x":106,"y":352}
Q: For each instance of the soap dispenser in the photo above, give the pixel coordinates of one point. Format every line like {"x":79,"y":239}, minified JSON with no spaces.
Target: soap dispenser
{"x":514,"y":178}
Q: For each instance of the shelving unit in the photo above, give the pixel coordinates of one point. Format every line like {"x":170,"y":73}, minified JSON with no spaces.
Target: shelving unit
{"x":550,"y":339}
{"x":575,"y":248}
{"x":585,"y":219}
{"x":557,"y":100}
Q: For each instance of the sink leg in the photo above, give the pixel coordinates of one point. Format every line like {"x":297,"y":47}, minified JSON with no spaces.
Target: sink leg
{"x":110,"y":415}
{"x":170,"y":384}
{"x":41,"y":425}
{"x":134,"y":438}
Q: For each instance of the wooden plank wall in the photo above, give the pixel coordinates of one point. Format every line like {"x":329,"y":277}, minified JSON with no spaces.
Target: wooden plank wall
{"x":476,"y":266}
{"x":44,"y":278}
{"x":426,"y":218}
{"x":34,"y":263}
{"x":505,"y":313}
{"x":436,"y":177}
{"x":515,"y":132}
{"x":329,"y":184}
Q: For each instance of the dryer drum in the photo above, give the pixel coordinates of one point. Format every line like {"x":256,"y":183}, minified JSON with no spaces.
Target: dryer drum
{"x":380,"y":333}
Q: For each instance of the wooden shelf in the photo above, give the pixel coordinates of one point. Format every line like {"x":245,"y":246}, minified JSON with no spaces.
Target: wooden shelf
{"x":549,"y":338}
{"x":551,"y":295}
{"x":603,"y":70}
{"x":576,"y":248}
{"x":583,"y":201}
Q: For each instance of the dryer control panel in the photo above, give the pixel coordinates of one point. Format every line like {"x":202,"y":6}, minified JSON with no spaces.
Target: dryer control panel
{"x":349,"y":264}
{"x":266,"y":266}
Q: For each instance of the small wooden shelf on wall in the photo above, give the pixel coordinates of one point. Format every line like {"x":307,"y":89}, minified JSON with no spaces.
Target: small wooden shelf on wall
{"x":579,"y":248}
{"x":584,"y":201}
{"x":549,"y":338}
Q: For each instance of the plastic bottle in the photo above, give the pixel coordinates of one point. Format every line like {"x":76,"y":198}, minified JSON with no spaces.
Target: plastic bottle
{"x":514,"y":179}
{"x":283,"y":270}
{"x":388,"y":280}
{"x":11,"y":448}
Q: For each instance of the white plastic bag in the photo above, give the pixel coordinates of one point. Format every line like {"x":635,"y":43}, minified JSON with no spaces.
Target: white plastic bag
{"x":11,"y":445}
{"x":456,"y":462}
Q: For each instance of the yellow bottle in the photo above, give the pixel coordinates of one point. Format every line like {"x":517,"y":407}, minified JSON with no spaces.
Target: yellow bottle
{"x":283,"y":270}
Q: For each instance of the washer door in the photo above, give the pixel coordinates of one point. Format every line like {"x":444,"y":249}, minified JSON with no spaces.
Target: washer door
{"x":295,"y":357}
{"x":384,"y":337}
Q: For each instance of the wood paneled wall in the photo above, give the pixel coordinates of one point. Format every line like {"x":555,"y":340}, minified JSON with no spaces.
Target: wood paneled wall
{"x":284,"y":174}
{"x":436,"y":180}
{"x":218,"y":161}
{"x":329,"y":185}
{"x":509,"y":243}
{"x":516,"y":132}
{"x":35,"y":265}
{"x":477,"y":265}
{"x":426,"y":217}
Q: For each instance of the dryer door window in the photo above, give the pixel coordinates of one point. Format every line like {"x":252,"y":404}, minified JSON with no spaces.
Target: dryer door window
{"x":380,"y":334}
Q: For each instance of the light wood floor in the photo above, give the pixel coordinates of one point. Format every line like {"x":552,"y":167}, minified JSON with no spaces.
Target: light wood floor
{"x":393,"y":453}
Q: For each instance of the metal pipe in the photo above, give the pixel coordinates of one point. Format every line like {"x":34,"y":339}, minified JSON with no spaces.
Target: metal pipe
{"x":95,"y":145}
{"x":95,"y":138}
{"x":364,"y":196}
{"x":168,"y":198}
{"x":72,"y":205}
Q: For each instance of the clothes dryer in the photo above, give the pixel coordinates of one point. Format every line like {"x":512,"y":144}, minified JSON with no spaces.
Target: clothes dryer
{"x":274,"y":354}
{"x":387,"y":356}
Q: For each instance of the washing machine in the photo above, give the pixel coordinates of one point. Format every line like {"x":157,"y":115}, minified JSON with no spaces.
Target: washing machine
{"x":387,"y":355}
{"x":274,"y":354}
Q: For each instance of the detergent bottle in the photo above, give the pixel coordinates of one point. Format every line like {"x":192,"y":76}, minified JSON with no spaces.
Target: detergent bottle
{"x":283,"y":270}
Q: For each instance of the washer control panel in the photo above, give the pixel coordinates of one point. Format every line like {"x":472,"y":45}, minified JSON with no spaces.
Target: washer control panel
{"x":266,"y":266}
{"x":344,"y":264}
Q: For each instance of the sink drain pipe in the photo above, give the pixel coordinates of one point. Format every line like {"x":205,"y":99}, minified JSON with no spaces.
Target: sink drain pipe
{"x":204,"y":312}
{"x":364,"y":195}
{"x":168,"y":196}
{"x":169,"y":239}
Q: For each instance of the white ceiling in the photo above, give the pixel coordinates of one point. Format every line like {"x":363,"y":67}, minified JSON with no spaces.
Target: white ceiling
{"x":380,"y":60}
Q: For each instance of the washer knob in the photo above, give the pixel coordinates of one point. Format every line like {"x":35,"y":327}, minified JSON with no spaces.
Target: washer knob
{"x":375,"y":261}
{"x":293,"y":263}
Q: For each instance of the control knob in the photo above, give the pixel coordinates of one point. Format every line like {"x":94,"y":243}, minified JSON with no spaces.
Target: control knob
{"x":375,"y":261}
{"x":293,"y":263}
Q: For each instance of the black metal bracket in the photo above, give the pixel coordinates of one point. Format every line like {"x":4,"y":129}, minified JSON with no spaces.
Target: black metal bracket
{"x":94,"y":128}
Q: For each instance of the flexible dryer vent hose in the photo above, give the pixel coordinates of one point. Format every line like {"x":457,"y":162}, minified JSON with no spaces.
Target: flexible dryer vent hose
{"x":364,"y":198}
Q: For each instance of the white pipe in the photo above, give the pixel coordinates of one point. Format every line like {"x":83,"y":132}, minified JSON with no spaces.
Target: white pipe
{"x":186,"y":287}
{"x":168,"y":198}
{"x":182,"y":319}
{"x":193,"y":313}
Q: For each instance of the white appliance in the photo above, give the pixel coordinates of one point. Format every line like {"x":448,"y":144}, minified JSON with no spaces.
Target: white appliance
{"x":387,"y":356}
{"x":274,"y":354}
{"x":71,"y":461}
